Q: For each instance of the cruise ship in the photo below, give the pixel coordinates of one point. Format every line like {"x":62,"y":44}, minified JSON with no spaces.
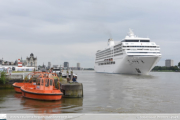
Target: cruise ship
{"x":133,"y":55}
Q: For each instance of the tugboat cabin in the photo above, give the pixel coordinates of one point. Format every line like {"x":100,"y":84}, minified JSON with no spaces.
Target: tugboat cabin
{"x":44,"y":84}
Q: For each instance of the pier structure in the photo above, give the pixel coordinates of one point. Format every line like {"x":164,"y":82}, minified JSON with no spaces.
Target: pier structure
{"x":70,"y":89}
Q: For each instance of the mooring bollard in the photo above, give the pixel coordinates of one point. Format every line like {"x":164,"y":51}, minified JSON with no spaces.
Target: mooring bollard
{"x":67,"y":74}
{"x":71,"y":75}
{"x":68,"y":80}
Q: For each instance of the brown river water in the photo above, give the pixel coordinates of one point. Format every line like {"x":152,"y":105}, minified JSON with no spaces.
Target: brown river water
{"x":158,"y":92}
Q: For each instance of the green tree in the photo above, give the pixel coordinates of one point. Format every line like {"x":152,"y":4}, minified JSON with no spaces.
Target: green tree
{"x":179,"y":64}
{"x":3,"y":77}
{"x":176,"y":68}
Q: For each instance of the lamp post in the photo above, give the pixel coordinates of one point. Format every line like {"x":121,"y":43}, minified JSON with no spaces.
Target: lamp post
{"x":60,"y":72}
{"x":72,"y":73}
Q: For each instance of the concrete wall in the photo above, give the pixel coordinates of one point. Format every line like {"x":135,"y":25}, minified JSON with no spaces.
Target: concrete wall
{"x":73,"y":90}
{"x":10,"y":80}
{"x":14,"y":77}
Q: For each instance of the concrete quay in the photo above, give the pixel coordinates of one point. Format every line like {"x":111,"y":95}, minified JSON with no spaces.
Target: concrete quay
{"x":10,"y":80}
{"x":74,"y":90}
{"x":69,"y":89}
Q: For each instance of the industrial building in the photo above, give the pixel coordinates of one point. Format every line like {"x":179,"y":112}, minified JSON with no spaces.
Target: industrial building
{"x":78,"y":66}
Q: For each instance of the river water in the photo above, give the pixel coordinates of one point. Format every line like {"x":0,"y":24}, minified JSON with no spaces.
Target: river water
{"x":158,"y":92}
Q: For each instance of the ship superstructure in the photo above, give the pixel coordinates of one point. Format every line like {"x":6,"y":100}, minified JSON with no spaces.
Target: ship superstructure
{"x":133,"y":55}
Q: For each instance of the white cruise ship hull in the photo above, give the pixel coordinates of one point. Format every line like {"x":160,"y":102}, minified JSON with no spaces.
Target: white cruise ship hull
{"x":129,"y":65}
{"x":133,"y":55}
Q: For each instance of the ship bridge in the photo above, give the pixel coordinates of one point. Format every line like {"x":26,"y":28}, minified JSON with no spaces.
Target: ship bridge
{"x":137,"y":46}
{"x":133,"y":38}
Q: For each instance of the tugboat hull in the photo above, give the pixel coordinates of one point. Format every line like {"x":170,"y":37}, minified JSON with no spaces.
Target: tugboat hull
{"x":40,"y":96}
{"x":17,"y":89}
{"x":17,"y":86}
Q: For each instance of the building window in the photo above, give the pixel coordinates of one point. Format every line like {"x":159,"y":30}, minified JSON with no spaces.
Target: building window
{"x":31,"y":63}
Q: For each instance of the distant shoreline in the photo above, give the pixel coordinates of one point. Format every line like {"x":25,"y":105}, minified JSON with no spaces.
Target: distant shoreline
{"x":165,"y":71}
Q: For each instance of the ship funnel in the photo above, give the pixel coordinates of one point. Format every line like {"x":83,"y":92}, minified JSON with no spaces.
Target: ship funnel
{"x":110,"y":42}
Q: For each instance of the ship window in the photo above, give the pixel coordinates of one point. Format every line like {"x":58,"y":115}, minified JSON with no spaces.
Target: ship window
{"x":51,"y":82}
{"x":38,"y":82}
{"x":130,"y":41}
{"x":47,"y":82}
{"x":42,"y":82}
{"x":144,"y":41}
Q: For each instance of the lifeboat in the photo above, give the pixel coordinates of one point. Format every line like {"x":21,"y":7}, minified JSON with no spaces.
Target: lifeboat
{"x":42,"y":89}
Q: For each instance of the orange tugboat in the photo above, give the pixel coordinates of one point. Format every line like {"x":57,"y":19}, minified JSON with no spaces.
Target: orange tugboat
{"x":17,"y":86}
{"x":42,"y":89}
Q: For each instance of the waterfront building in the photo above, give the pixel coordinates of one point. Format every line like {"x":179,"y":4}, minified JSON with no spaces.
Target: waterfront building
{"x":78,"y":66}
{"x":49,"y":65}
{"x":1,"y":61}
{"x":24,"y":62}
{"x":12,"y":63}
{"x":169,"y":62}
{"x":42,"y":67}
{"x":19,"y":63}
{"x":21,"y":60}
{"x":55,"y":66}
{"x":32,"y":61}
{"x":66,"y":64}
{"x":16,"y":62}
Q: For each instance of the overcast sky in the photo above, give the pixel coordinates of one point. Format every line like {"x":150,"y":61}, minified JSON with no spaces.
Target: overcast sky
{"x":73,"y":30}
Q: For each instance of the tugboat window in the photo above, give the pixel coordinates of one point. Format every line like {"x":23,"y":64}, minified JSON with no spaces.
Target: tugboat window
{"x":47,"y":82}
{"x":38,"y":82}
{"x":42,"y":82}
{"x":51,"y":82}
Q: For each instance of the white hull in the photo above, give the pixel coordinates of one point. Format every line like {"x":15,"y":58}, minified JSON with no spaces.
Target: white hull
{"x":129,"y":65}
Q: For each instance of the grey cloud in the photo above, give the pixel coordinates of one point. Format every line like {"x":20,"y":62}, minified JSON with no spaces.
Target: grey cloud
{"x":34,"y":26}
